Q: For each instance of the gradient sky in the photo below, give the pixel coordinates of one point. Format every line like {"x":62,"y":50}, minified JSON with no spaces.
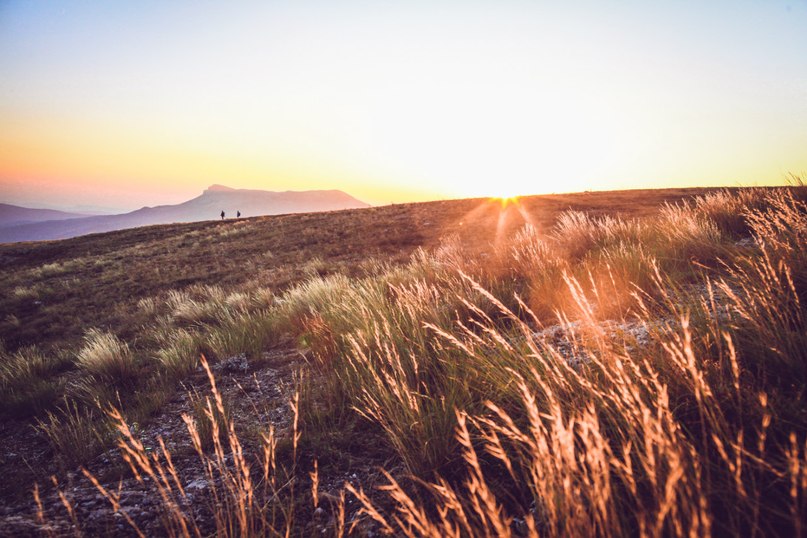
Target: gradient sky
{"x":122,"y":104}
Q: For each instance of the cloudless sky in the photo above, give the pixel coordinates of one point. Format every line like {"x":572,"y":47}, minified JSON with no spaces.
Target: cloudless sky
{"x":124,"y":104}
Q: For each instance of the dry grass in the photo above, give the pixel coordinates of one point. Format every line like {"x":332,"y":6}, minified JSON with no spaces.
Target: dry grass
{"x":28,"y":381}
{"x":610,"y":376}
{"x":178,"y":355}
{"x":679,"y":410}
{"x":101,"y":278}
{"x":239,"y":498}
{"x":76,"y":434}
{"x":107,"y":358}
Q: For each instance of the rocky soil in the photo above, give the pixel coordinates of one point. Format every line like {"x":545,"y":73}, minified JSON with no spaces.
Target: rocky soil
{"x":257,"y":396}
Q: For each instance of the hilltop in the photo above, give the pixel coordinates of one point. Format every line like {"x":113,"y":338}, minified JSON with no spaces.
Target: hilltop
{"x":56,"y":289}
{"x":207,"y":206}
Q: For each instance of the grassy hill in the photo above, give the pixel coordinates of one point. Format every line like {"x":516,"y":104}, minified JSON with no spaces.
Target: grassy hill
{"x":598,"y":363}
{"x":53,"y":291}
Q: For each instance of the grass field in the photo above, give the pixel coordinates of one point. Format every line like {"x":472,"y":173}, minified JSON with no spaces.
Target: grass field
{"x":625,"y":363}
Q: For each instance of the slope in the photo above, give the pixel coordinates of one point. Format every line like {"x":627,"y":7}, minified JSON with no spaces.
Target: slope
{"x":207,"y":206}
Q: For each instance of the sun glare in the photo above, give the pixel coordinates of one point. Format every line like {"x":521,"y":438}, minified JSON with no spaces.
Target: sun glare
{"x":507,"y":200}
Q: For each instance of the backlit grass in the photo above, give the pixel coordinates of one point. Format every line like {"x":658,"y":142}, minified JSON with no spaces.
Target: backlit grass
{"x":610,"y":375}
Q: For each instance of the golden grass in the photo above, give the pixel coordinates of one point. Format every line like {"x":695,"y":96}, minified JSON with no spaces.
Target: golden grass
{"x":595,"y":432}
{"x":613,"y":377}
{"x":239,"y":498}
{"x":107,"y":358}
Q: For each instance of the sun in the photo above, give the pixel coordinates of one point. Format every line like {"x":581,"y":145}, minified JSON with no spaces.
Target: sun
{"x":508,"y":193}
{"x":506,"y":201}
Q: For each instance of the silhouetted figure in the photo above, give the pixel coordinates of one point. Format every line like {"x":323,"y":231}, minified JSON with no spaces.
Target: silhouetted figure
{"x":222,"y":214}
{"x":238,"y":214}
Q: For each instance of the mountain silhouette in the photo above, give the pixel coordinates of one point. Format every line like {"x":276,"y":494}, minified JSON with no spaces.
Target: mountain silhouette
{"x":14,"y":215}
{"x":207,"y":206}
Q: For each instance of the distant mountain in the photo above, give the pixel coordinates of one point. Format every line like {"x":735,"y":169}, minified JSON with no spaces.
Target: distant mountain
{"x":13,"y":215}
{"x":207,"y":206}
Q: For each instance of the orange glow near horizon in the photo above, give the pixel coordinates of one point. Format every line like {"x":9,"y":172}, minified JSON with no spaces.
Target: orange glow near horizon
{"x":508,"y":208}
{"x":505,"y":201}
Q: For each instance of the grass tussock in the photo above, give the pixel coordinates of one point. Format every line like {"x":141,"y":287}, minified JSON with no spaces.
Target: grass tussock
{"x":178,"y":353}
{"x":76,"y":434}
{"x":217,"y":322}
{"x":107,"y":358}
{"x":28,"y":382}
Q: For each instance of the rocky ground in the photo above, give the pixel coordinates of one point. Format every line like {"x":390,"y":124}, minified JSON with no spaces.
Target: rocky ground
{"x":257,"y":395}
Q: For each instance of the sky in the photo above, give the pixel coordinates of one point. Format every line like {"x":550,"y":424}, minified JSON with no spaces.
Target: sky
{"x":125,"y":104}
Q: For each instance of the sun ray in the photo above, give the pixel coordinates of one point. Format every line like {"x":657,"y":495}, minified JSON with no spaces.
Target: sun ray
{"x":525,"y":215}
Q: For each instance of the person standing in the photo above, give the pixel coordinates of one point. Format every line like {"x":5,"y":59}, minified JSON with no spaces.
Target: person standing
{"x":238,"y":214}
{"x":222,"y":214}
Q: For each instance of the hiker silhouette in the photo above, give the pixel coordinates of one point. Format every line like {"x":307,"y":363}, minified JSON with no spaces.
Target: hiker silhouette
{"x":222,"y":214}
{"x":238,"y":214}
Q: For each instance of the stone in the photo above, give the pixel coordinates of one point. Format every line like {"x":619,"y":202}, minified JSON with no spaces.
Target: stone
{"x":197,"y":485}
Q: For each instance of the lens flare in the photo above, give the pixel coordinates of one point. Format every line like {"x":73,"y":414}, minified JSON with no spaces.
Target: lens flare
{"x":505,"y":201}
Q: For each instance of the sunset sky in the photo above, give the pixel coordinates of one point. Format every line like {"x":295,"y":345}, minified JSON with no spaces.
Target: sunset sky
{"x":120,"y":105}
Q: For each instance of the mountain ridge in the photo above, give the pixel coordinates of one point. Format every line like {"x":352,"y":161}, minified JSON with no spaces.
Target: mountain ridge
{"x":15,"y":215}
{"x":206,"y":206}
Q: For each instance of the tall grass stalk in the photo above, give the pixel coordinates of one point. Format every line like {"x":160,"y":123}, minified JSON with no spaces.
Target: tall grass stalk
{"x":240,"y":498}
{"x":667,"y":399}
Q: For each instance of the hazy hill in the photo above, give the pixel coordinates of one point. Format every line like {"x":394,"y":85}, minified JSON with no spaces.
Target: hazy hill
{"x":13,"y":215}
{"x":207,"y":206}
